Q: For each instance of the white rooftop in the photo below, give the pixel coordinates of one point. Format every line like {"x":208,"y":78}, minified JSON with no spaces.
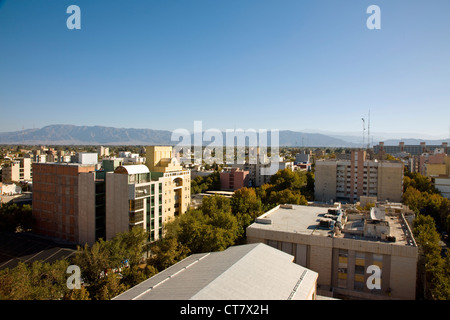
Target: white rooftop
{"x":136,"y":169}
{"x":245,"y":272}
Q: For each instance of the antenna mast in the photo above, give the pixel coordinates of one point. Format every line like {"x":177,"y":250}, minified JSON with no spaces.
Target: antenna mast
{"x":364,"y":128}
{"x":368,"y":132}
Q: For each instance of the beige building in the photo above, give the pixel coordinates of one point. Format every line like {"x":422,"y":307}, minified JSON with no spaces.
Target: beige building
{"x":133,"y":199}
{"x":440,"y":172}
{"x":18,"y":170}
{"x":343,"y":247}
{"x":176,"y":181}
{"x":348,"y":180}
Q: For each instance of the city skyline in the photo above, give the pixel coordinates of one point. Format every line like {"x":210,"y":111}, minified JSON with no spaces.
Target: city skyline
{"x":300,"y":66}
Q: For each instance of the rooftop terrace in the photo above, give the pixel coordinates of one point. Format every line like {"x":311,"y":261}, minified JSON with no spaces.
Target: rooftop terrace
{"x":310,"y":220}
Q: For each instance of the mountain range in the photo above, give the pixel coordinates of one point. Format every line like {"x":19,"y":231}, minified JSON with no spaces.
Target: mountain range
{"x":99,"y":135}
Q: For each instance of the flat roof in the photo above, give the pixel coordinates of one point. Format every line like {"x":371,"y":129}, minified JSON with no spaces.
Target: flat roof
{"x":306,"y":220}
{"x":245,"y":272}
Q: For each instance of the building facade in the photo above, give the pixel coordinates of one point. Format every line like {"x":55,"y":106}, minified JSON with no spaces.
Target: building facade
{"x":381,"y":149}
{"x":133,"y":199}
{"x":81,"y":203}
{"x":234,"y":179}
{"x":57,"y":194}
{"x":176,"y":181}
{"x":346,"y":252}
{"x":19,"y":169}
{"x":348,"y":180}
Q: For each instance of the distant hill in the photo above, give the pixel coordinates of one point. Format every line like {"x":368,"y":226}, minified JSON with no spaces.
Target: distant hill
{"x":99,"y":135}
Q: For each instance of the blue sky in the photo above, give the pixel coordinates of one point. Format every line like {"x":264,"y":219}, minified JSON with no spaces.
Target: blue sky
{"x":262,"y":64}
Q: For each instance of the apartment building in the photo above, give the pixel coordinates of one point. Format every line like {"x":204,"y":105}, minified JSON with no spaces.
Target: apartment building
{"x":81,"y":203}
{"x":176,"y":181}
{"x":343,"y":246}
{"x":133,"y":199}
{"x":234,"y":179}
{"x":19,"y":169}
{"x":348,"y":180}
{"x":381,"y":149}
{"x":439,"y":171}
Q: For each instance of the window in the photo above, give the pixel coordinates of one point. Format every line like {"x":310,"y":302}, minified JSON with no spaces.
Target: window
{"x":137,"y":204}
{"x":136,"y":217}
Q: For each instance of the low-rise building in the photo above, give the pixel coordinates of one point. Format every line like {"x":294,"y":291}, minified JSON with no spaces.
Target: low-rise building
{"x":344,"y":246}
{"x":234,"y":179}
{"x":245,"y":272}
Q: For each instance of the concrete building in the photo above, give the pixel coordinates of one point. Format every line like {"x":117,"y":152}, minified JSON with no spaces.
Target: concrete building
{"x":440,"y":173}
{"x":343,"y":246}
{"x":348,"y":180}
{"x":245,"y":272}
{"x":19,"y":169}
{"x":442,"y":183}
{"x":81,"y":204}
{"x":234,"y":179}
{"x":87,"y":158}
{"x":381,"y":149}
{"x":103,"y":151}
{"x":176,"y":180}
{"x":133,"y":199}
{"x":57,"y":194}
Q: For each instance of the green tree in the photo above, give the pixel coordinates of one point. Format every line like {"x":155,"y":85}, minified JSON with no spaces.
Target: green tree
{"x":110,"y":287}
{"x":15,"y":218}
{"x":287,"y":196}
{"x":245,"y":200}
{"x":166,"y":252}
{"x":215,"y":203}
{"x":436,"y":269}
{"x":287,"y":179}
{"x":201,"y":232}
{"x":308,"y":189}
{"x":92,"y":261}
{"x":78,"y":294}
{"x":36,"y":281}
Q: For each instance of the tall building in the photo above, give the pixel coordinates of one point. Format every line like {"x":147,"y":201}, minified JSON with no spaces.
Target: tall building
{"x":133,"y":199}
{"x":176,"y":181}
{"x":80,"y":203}
{"x":348,"y":180}
{"x":57,"y":200}
{"x":345,"y":247}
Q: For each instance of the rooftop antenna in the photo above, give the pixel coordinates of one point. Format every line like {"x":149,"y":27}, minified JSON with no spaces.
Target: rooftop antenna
{"x":368,"y":132}
{"x":364,"y":128}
